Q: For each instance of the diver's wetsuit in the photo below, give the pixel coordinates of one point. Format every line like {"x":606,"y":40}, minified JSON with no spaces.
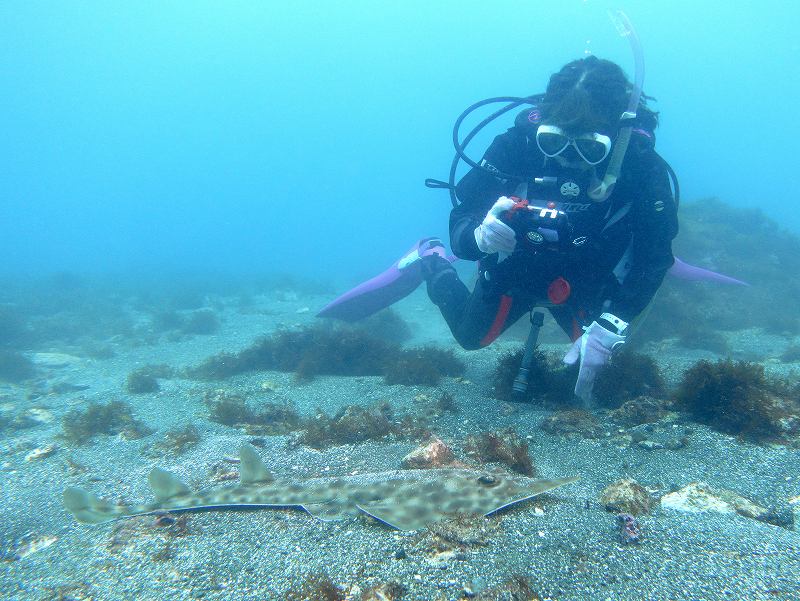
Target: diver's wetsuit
{"x":615,"y":258}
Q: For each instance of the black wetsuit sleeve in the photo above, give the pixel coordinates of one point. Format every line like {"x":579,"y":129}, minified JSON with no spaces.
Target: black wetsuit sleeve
{"x":479,"y":189}
{"x":655,"y":224}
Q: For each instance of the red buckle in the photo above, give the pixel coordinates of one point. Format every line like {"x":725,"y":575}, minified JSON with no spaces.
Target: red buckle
{"x":519,"y":203}
{"x":558,"y":291}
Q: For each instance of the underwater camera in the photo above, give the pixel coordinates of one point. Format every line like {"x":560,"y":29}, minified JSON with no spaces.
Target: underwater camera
{"x":540,"y":229}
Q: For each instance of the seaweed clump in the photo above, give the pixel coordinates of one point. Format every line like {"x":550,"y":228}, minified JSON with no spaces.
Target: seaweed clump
{"x":628,"y":375}
{"x":178,"y":441}
{"x":15,"y":367}
{"x":310,"y":351}
{"x":324,"y":350}
{"x":145,"y":379}
{"x":337,"y":352}
{"x":446,"y":403}
{"x":115,"y":417}
{"x":233,"y":410}
{"x":316,"y":587}
{"x":354,"y":424}
{"x":720,"y":237}
{"x":228,"y":409}
{"x":388,"y":325}
{"x":141,"y":382}
{"x":423,"y":366}
{"x":350,"y":425}
{"x":504,"y":447}
{"x":738,"y":398}
{"x":548,"y":382}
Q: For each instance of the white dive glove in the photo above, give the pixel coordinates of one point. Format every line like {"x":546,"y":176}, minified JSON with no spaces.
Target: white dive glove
{"x":493,"y":235}
{"x":594,"y":349}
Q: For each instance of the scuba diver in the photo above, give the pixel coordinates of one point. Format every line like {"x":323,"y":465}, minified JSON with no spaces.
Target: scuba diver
{"x":545,"y":231}
{"x":594,"y":255}
{"x":571,"y":209}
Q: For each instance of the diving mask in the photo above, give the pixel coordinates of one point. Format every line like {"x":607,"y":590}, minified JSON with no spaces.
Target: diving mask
{"x":592,"y":147}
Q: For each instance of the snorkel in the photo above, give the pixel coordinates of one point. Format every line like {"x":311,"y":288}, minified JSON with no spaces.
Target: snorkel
{"x":600,"y":190}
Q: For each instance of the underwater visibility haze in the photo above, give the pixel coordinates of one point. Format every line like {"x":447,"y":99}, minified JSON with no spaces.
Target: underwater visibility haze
{"x":186,"y":186}
{"x":260,"y":136}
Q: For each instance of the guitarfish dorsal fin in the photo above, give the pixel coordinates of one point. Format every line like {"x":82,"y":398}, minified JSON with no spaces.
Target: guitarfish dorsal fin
{"x":252,"y":469}
{"x":166,"y":485}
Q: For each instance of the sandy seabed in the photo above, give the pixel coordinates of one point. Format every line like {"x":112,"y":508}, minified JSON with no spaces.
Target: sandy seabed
{"x":565,"y":543}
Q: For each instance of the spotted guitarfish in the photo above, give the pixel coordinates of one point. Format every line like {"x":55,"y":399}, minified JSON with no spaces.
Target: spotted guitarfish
{"x":406,"y":500}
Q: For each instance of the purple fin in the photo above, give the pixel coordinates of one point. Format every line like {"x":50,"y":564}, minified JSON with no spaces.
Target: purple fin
{"x":381,"y":291}
{"x":684,"y":271}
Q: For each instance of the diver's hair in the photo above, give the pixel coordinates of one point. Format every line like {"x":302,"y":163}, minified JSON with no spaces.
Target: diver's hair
{"x":592,"y":93}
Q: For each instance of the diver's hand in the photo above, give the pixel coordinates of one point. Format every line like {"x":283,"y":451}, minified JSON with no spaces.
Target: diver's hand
{"x":493,"y":235}
{"x":594,"y":350}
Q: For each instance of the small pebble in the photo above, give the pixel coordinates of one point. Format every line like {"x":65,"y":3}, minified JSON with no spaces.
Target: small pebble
{"x":41,"y":452}
{"x":650,"y":445}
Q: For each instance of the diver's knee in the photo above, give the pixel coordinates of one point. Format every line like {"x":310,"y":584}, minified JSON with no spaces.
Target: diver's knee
{"x":471,"y":346}
{"x":469,"y":342}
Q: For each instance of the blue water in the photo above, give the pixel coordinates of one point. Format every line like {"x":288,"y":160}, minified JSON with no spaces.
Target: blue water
{"x":258,"y":137}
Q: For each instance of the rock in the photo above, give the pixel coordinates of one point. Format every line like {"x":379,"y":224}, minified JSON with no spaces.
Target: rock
{"x":740,"y":504}
{"x":38,"y":415}
{"x":506,"y":409}
{"x":698,"y":497}
{"x":41,"y":452}
{"x":441,"y":559}
{"x":626,"y":496}
{"x":31,"y":544}
{"x":674,"y":444}
{"x":26,"y":420}
{"x":55,"y":360}
{"x":695,"y":498}
{"x":67,"y":387}
{"x":434,"y":453}
{"x":575,"y":421}
{"x":268,"y":386}
{"x":650,"y":445}
{"x":641,"y":410}
{"x":657,"y":436}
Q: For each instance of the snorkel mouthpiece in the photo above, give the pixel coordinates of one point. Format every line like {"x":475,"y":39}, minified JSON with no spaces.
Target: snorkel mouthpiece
{"x":604,"y":187}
